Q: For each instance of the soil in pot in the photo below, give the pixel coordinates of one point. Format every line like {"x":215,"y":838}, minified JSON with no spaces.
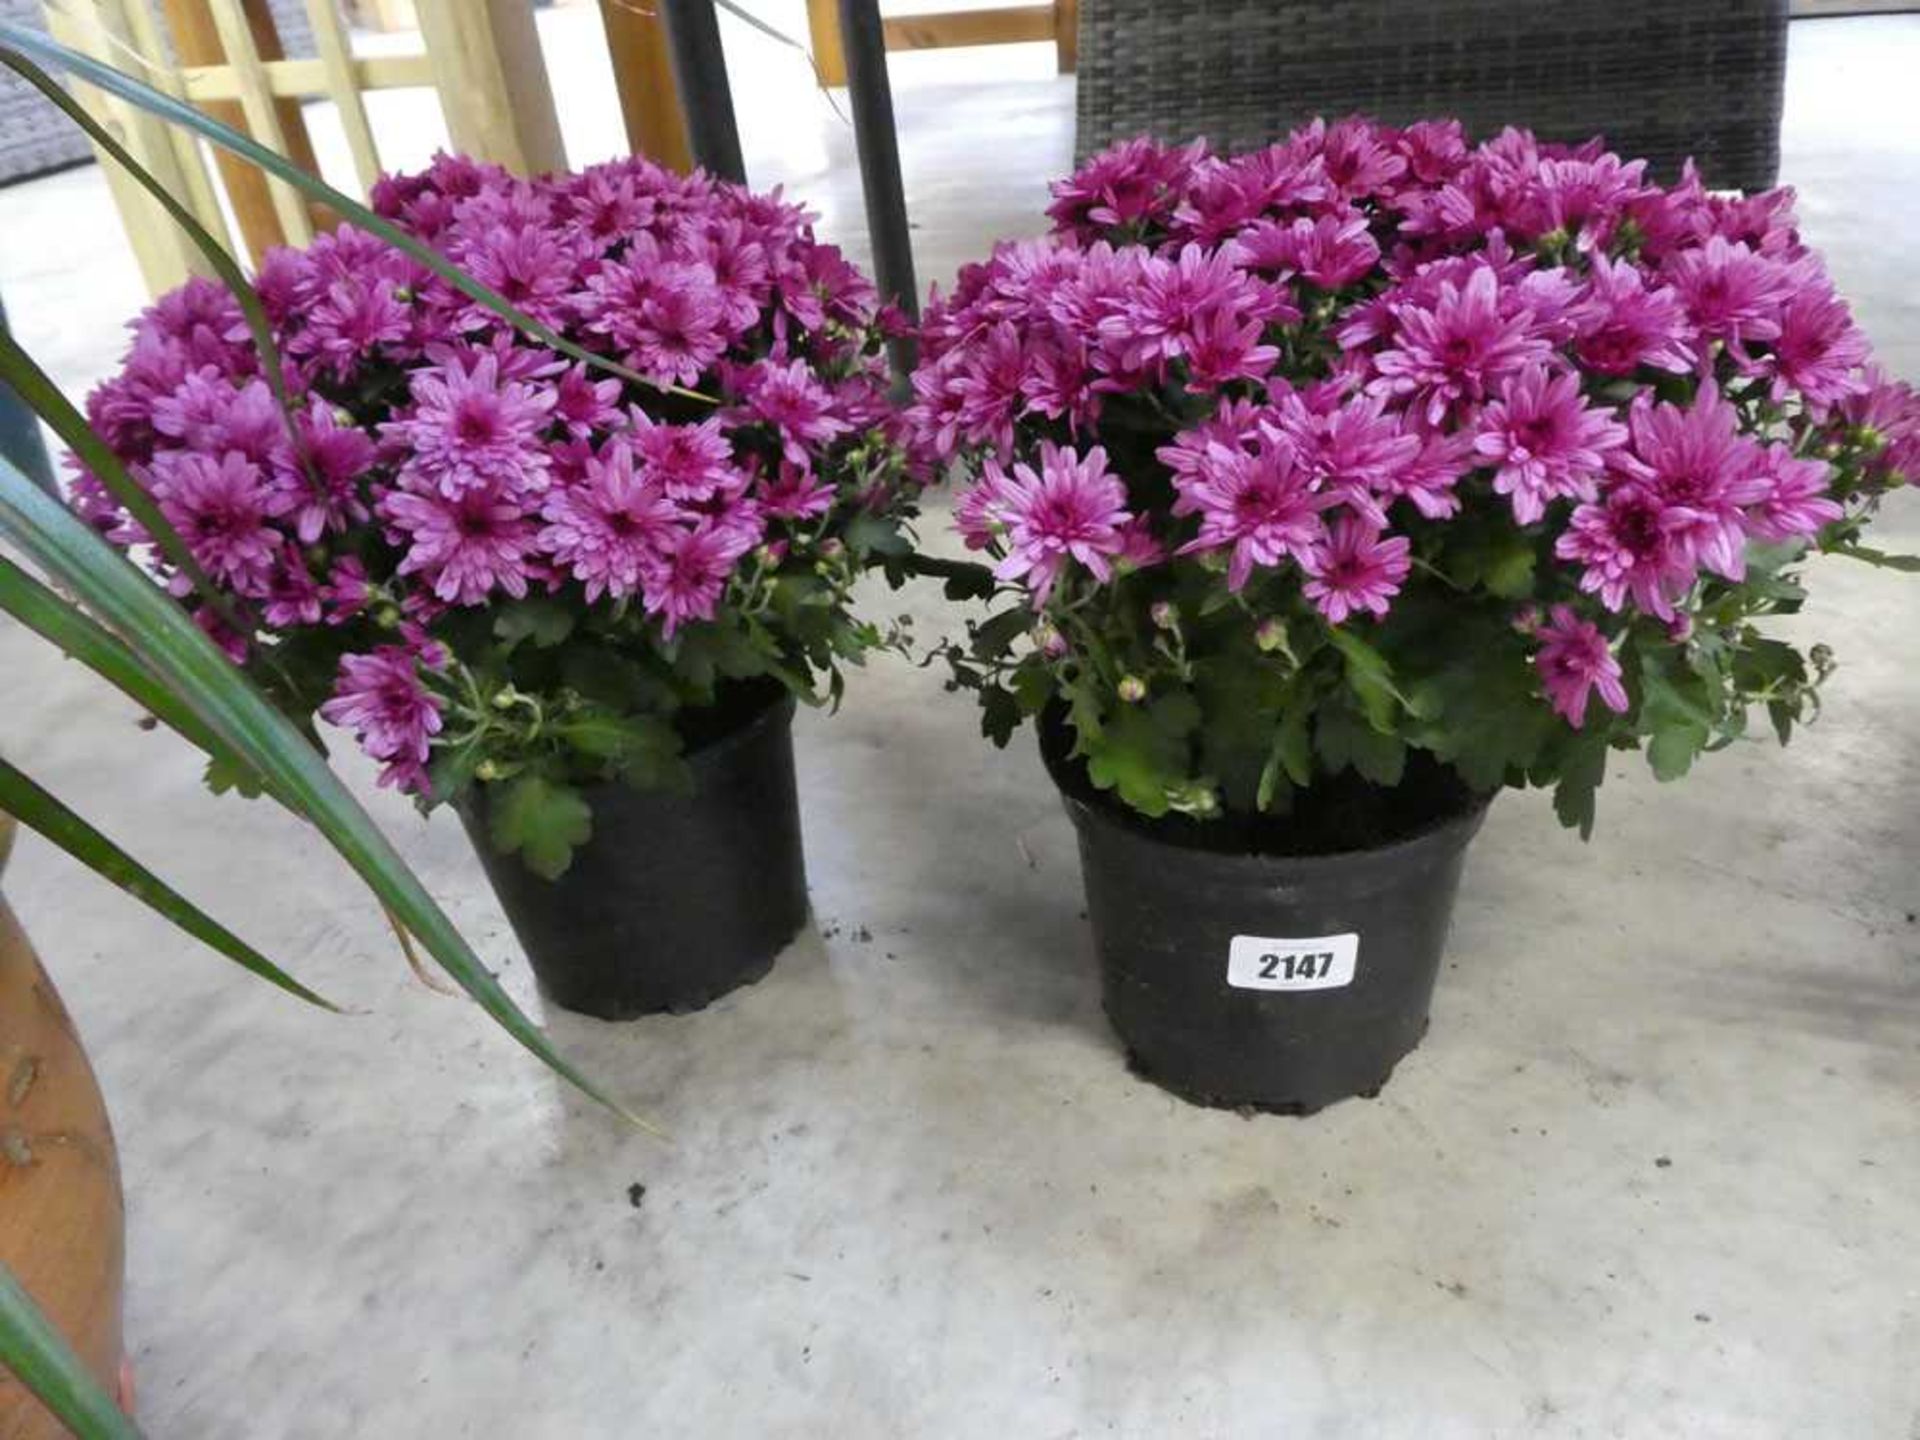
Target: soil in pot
{"x":1272,"y":963}
{"x":676,"y":899}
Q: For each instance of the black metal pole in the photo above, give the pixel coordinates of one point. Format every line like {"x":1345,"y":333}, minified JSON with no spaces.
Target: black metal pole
{"x":700,"y":72}
{"x":20,"y":439}
{"x":871,"y":95}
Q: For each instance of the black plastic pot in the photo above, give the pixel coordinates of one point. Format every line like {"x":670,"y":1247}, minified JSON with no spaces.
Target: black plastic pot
{"x":1260,"y":981}
{"x":678,"y":898}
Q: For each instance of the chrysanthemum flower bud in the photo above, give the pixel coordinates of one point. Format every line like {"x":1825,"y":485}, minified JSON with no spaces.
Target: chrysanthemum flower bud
{"x":1680,"y":628}
{"x":1164,"y":615}
{"x":1132,"y":689}
{"x":1048,"y":640}
{"x":1527,"y":619}
{"x":832,"y":549}
{"x":1271,"y":634}
{"x":486,"y":770}
{"x":503,"y":699}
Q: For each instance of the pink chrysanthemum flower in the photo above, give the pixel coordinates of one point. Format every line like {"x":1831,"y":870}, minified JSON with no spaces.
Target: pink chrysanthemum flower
{"x":1261,"y":503}
{"x":1329,"y":252}
{"x":1819,"y":351}
{"x":1623,"y":322}
{"x":1730,"y":293}
{"x":471,"y":429}
{"x":1631,"y":545}
{"x":1703,"y":470}
{"x":666,"y":316}
{"x":320,"y":488}
{"x":794,"y":402}
{"x":465,"y":547}
{"x":1574,"y":660}
{"x":603,"y":529}
{"x":686,"y":575}
{"x":1133,"y":183}
{"x":690,"y":462}
{"x":1352,"y":568}
{"x":1171,"y":295}
{"x":379,"y":698}
{"x":222,"y":510}
{"x":1071,"y":508}
{"x":1796,"y":503}
{"x":1449,"y":355}
{"x":1545,"y":441}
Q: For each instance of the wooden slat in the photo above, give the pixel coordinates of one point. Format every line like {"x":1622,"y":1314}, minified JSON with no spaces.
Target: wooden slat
{"x":167,"y":258}
{"x":262,"y":115}
{"x":336,"y":57}
{"x":823,"y":30}
{"x":493,"y":83}
{"x":940,"y":29}
{"x":643,"y":74}
{"x":1066,"y":35}
{"x":143,"y":26}
{"x":307,"y":79}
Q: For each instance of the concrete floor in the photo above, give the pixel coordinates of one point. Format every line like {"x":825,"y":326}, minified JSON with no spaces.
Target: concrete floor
{"x":1655,"y":1172}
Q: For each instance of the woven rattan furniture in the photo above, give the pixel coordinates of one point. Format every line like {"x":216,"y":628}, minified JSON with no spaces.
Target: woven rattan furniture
{"x":1662,"y":79}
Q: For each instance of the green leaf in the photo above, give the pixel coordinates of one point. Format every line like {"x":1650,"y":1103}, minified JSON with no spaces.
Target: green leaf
{"x":247,"y":723}
{"x":1675,"y":715}
{"x":538,"y":618}
{"x":18,"y":42}
{"x":870,"y":534}
{"x":39,"y":810}
{"x":1344,"y":742}
{"x":1582,"y":770}
{"x":994,"y":636}
{"x":544,"y":822}
{"x":1000,"y":714}
{"x":1510,"y":573}
{"x":1291,"y":756}
{"x":46,"y":1365}
{"x":643,"y":750}
{"x":1142,"y":752}
{"x":1881,"y":559}
{"x":1369,"y":677}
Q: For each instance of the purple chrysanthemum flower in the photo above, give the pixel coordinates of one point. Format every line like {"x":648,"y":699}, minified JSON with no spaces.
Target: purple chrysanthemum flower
{"x":319,"y":489}
{"x":795,"y":494}
{"x":470,"y":429}
{"x":687,"y":574}
{"x":222,"y":508}
{"x":1730,"y":293}
{"x":1622,"y":322}
{"x":1261,"y":503}
{"x":1631,"y":545}
{"x":464,"y":547}
{"x":1573,"y":661}
{"x":690,"y":462}
{"x":604,"y":527}
{"x":1352,"y":568}
{"x":1329,"y":251}
{"x":1070,"y":508}
{"x":1449,"y":355}
{"x":1698,"y":465}
{"x":1819,"y":351}
{"x":1545,"y":441}
{"x":1796,"y":502}
{"x":790,"y":398}
{"x":666,"y":316}
{"x":379,"y":698}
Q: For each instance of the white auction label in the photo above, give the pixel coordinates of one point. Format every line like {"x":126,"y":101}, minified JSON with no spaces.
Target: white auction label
{"x":1319,"y":962}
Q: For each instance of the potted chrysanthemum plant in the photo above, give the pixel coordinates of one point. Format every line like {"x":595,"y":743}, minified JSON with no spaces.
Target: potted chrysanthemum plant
{"x":1337,"y":486}
{"x":573,"y":601}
